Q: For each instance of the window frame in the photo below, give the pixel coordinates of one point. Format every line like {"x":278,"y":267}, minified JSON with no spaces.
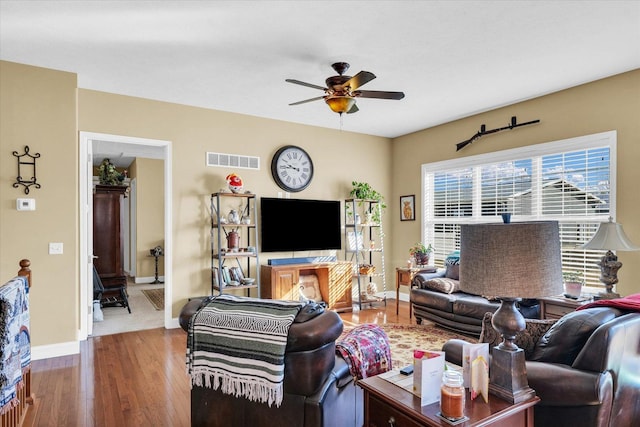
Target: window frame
{"x":534,"y":152}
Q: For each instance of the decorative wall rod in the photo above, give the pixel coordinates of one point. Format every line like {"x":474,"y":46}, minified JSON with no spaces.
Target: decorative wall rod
{"x":483,"y":131}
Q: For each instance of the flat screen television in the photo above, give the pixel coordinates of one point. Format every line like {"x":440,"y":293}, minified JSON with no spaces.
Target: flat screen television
{"x":289,"y":225}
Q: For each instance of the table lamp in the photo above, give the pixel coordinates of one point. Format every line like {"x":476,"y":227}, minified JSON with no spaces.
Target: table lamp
{"x":610,"y":237}
{"x":510,"y":261}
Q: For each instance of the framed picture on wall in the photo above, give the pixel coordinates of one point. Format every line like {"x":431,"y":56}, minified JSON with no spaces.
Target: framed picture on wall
{"x":408,"y":208}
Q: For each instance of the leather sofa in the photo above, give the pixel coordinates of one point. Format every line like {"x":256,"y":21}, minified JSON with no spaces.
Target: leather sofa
{"x":319,"y":390}
{"x":585,"y":369}
{"x":456,"y":310}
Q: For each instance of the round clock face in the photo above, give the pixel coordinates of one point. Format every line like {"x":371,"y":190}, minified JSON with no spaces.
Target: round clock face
{"x":292,"y":168}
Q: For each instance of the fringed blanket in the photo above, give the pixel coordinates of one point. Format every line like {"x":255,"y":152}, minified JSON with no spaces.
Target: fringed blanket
{"x":237,"y":344}
{"x":15,"y":350}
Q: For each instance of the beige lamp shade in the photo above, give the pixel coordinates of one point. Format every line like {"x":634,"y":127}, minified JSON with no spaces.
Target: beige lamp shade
{"x":515,"y":260}
{"x":610,"y":236}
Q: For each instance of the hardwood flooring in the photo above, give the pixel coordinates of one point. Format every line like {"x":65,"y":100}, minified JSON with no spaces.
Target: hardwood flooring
{"x":134,"y":378}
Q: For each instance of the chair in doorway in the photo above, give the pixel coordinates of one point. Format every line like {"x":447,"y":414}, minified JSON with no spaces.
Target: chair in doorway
{"x":109,"y":296}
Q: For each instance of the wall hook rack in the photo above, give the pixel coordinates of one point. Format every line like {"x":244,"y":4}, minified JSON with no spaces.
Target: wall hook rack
{"x":483,"y":131}
{"x":26,"y":162}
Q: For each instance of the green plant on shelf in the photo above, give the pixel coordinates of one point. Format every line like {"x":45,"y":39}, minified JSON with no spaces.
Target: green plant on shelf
{"x":363,"y":191}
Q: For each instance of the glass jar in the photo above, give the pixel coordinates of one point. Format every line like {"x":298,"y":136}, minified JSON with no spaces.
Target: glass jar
{"x":452,"y":395}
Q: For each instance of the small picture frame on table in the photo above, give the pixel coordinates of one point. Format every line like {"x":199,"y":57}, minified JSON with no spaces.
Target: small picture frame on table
{"x":408,"y":208}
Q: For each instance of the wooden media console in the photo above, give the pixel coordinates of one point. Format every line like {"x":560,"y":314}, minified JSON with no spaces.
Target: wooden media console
{"x":334,"y":282}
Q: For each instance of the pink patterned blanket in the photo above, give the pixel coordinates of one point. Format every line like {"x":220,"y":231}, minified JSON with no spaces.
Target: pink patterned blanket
{"x":366,"y":350}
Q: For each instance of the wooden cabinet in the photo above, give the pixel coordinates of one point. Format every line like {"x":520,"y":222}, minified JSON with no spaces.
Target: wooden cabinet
{"x":334,"y":282}
{"x":108,"y":245}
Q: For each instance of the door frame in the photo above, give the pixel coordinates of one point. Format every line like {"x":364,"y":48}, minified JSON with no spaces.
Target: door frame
{"x":86,"y":222}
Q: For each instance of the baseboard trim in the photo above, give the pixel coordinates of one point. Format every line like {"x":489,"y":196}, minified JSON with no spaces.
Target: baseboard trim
{"x":151,"y":279}
{"x":55,"y":350}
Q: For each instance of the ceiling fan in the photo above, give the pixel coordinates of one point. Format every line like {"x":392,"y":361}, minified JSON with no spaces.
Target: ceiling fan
{"x":341,"y":91}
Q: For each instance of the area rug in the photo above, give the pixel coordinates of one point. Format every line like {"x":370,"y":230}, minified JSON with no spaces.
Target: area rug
{"x":404,"y":338}
{"x":155,"y":297}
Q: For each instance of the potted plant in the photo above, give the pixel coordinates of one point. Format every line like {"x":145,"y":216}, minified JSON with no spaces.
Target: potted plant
{"x":573,"y":282}
{"x":421,"y":253}
{"x":364,"y":191}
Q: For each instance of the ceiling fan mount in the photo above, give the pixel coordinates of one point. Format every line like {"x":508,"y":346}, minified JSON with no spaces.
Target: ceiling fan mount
{"x":341,"y":90}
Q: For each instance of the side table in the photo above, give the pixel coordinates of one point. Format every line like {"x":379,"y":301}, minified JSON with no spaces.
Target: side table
{"x":557,"y":306}
{"x":386,"y":404}
{"x":404,"y":276}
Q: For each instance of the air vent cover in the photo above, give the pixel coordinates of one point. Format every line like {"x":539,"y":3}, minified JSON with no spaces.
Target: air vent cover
{"x":233,"y":160}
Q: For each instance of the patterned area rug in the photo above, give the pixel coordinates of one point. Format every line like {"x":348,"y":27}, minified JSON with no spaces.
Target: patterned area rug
{"x":404,"y":338}
{"x":155,"y":297}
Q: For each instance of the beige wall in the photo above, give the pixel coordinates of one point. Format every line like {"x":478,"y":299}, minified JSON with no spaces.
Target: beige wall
{"x":604,"y":105}
{"x":149,"y":175}
{"x":38,"y":109}
{"x":339,"y":157}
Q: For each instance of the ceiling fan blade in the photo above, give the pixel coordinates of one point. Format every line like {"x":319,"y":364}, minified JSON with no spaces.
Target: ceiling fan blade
{"x":359,"y":79}
{"x":307,"y":100}
{"x":378,"y":94}
{"x":298,"y":82}
{"x":353,"y":109}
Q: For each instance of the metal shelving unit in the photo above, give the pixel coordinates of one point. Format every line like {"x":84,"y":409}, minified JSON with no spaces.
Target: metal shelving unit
{"x":364,"y":248}
{"x":245,"y":262}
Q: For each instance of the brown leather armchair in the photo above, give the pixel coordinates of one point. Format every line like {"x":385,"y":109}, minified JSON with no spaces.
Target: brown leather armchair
{"x":318,"y":387}
{"x":585,"y":369}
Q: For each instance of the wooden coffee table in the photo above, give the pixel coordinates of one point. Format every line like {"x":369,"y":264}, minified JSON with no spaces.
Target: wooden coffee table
{"x":386,"y":404}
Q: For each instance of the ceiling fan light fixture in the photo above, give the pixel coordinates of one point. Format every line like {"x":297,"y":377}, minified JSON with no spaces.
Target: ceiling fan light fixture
{"x":340,"y":104}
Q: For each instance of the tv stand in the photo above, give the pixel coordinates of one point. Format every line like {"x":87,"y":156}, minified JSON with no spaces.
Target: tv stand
{"x":334,"y":280}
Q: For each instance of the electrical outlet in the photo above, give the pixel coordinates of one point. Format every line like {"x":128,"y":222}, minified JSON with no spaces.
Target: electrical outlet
{"x":55,"y":248}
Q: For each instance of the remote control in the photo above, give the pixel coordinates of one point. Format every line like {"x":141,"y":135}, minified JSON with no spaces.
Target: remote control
{"x":407,"y":370}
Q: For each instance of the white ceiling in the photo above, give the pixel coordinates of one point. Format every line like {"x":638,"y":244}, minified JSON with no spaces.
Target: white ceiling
{"x":452,"y":59}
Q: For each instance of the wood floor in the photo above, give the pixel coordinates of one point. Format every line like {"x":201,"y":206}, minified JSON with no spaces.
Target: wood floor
{"x":134,"y":378}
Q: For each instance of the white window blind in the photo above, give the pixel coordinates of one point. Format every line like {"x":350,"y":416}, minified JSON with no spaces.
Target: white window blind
{"x":569,"y":181}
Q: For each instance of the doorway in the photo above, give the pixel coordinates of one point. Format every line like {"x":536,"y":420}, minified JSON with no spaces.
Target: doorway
{"x":119,"y":146}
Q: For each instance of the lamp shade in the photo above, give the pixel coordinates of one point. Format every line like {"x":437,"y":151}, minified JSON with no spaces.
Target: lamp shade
{"x":610,"y":236}
{"x":516,"y":260}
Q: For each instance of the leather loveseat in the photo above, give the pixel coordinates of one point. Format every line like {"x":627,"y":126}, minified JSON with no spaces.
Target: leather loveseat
{"x":319,"y":390}
{"x":585,"y":368}
{"x":435,"y":297}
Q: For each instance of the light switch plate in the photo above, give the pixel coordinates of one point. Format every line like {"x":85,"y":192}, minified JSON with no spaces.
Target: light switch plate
{"x":56,"y":248}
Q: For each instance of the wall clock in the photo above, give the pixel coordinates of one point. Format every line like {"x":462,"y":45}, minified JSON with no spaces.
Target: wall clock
{"x":292,"y":168}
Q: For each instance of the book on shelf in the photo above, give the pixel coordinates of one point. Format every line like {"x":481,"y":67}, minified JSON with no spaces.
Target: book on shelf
{"x":226,"y":275}
{"x":216,"y":278}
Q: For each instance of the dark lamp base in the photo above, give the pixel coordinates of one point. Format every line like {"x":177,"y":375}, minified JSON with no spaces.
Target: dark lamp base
{"x":508,"y":378}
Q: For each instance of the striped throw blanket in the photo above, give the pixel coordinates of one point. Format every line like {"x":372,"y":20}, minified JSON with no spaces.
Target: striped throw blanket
{"x":237,"y":344}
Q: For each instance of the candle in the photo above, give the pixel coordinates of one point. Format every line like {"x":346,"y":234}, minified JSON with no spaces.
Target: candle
{"x":452,"y":395}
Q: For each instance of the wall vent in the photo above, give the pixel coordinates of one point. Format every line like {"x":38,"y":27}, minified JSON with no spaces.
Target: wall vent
{"x":233,"y":161}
